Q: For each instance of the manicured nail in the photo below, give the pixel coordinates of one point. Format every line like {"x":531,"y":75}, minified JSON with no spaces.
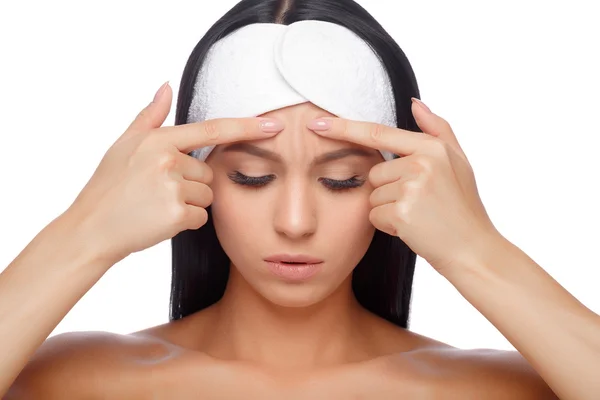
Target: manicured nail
{"x":271,"y":125}
{"x":421,"y":104}
{"x":160,"y":91}
{"x":319,"y":125}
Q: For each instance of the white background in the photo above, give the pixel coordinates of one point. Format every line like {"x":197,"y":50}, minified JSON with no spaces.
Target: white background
{"x":517,"y":80}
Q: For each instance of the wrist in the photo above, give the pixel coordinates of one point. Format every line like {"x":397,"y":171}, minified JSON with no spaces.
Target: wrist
{"x":482,"y":256}
{"x":84,"y":239}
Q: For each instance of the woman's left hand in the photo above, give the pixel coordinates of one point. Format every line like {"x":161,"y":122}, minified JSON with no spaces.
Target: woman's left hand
{"x":428,"y":197}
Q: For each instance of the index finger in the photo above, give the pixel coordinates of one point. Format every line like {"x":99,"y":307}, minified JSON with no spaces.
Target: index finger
{"x":373,"y":135}
{"x":188,"y":137}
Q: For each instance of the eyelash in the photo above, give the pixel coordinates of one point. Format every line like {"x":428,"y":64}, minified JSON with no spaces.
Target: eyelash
{"x":332,"y":185}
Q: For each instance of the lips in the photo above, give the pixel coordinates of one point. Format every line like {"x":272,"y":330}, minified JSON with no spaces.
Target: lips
{"x":294,"y":267}
{"x":293,"y":259}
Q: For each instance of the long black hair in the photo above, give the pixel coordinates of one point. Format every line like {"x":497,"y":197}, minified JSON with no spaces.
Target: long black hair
{"x":382,"y":280}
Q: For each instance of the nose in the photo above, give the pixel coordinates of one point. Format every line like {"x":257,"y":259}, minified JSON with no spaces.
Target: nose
{"x":295,"y":213}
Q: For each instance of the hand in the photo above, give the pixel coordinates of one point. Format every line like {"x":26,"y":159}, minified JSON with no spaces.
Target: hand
{"x":147,"y":188}
{"x":428,"y":197}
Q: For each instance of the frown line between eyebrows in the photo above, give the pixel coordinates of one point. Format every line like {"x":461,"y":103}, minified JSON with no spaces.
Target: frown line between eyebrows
{"x":324,"y":158}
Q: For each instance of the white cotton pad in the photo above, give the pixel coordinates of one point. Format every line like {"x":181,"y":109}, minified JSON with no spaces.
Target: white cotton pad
{"x":264,"y":67}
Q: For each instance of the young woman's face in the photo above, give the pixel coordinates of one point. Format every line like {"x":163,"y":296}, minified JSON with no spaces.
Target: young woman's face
{"x":281,"y":196}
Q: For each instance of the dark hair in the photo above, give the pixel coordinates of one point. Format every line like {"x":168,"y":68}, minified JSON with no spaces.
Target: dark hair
{"x":382,"y":280}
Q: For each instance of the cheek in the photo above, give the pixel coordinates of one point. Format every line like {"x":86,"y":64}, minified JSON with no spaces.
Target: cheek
{"x":347,"y":219}
{"x":236,"y":226}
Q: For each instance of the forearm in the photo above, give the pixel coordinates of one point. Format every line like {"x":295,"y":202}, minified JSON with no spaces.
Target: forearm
{"x":558,"y":335}
{"x":39,"y":288}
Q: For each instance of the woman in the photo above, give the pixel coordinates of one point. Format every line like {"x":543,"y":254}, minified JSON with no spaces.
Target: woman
{"x":336,"y":334}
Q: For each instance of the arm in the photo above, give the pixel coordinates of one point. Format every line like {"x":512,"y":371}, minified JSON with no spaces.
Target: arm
{"x":429,"y":199}
{"x":39,"y":288}
{"x":556,"y":334}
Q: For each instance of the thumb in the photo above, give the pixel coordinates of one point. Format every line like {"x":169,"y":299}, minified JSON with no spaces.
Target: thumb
{"x":155,"y":113}
{"x":434,"y":125}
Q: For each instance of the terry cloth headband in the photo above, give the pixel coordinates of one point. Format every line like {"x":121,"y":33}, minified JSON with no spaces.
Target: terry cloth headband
{"x":264,"y":67}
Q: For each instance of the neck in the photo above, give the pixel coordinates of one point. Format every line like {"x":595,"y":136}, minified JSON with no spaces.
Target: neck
{"x":247,"y":327}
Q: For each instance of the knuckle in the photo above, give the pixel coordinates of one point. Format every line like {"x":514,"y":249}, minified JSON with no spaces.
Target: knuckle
{"x":376,"y":131}
{"x":142,"y":114}
{"x":414,"y":168}
{"x":344,"y":128}
{"x":166,"y":162}
{"x":150,"y":141}
{"x":211,"y":129}
{"x":412,"y":186}
{"x":401,"y":212}
{"x":440,"y":148}
{"x":421,"y":165}
{"x":417,"y":166}
{"x":176,"y":192}
{"x":445,"y":124}
{"x":178,"y":213}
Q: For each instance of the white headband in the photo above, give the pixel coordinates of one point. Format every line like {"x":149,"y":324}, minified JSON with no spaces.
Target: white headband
{"x":264,"y":67}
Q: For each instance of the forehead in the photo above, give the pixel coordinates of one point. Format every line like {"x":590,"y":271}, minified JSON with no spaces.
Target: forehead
{"x":303,"y":111}
{"x":295,"y":133}
{"x":296,"y":141}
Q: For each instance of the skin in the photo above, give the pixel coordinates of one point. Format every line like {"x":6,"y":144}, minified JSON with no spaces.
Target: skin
{"x":313,"y":339}
{"x":433,"y":181}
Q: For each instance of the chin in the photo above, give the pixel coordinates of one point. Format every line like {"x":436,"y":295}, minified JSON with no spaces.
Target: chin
{"x":294,"y":295}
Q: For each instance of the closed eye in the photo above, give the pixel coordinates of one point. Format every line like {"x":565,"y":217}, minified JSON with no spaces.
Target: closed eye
{"x":333,"y":185}
{"x":338,"y":185}
{"x":256,"y":181}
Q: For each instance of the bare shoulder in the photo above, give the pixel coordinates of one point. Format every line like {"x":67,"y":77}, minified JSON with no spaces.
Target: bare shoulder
{"x":433,"y":369}
{"x":78,"y":365}
{"x":443,"y":371}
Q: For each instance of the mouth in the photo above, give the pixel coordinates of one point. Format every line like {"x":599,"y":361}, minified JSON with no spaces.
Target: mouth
{"x":293,"y":259}
{"x":293,"y":267}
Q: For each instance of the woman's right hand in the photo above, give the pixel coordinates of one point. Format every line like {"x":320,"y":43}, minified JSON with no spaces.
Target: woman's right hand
{"x":147,"y":188}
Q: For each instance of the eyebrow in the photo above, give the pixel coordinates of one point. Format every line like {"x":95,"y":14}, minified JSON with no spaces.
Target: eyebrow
{"x":319,"y":160}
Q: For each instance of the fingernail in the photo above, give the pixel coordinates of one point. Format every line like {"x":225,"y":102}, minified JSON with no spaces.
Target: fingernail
{"x":160,"y":91}
{"x":271,"y":125}
{"x":421,"y":104}
{"x":319,"y":125}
